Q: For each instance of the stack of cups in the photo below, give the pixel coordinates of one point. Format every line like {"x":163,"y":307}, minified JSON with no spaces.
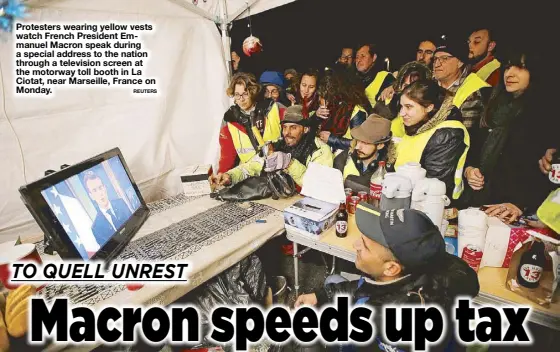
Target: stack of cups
{"x":473,"y":225}
{"x":396,"y":193}
{"x":429,"y":197}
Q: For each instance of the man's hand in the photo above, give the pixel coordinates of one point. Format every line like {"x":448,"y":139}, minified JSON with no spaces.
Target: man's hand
{"x":506,"y":212}
{"x":277,"y":161}
{"x":309,"y":299}
{"x":324,"y":136}
{"x":545,"y":163}
{"x":219,"y":180}
{"x":387,"y":93}
{"x":475,"y":178}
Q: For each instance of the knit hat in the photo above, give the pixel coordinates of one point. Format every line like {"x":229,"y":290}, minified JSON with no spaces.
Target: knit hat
{"x":454,"y":47}
{"x":375,"y":130}
{"x":272,"y":77}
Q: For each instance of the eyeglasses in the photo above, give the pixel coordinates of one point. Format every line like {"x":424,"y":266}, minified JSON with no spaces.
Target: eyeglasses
{"x":427,"y":52}
{"x":272,"y":91}
{"x":442,"y":59}
{"x":239,"y":96}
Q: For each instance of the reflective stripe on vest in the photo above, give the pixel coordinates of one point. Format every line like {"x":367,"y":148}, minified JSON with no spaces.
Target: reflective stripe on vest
{"x":397,"y":129}
{"x":355,"y":112}
{"x":410,"y":149}
{"x":350,"y":168}
{"x":486,"y":70}
{"x":549,"y":211}
{"x":471,"y":84}
{"x":373,"y":89}
{"x":241,"y":141}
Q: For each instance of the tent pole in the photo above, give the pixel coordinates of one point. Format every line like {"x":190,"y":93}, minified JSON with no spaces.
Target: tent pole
{"x":226,"y":40}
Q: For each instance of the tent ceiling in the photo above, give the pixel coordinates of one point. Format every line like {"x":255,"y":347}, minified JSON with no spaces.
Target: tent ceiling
{"x":236,"y":9}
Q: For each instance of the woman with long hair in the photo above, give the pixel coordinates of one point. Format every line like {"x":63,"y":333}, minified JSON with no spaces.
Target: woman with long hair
{"x":306,"y":92}
{"x":343,"y":105}
{"x":434,"y":135}
{"x":514,"y":132}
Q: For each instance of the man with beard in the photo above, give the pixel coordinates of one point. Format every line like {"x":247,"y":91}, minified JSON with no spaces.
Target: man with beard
{"x":292,"y":153}
{"x":371,"y":73}
{"x":370,"y":145}
{"x":481,"y":55}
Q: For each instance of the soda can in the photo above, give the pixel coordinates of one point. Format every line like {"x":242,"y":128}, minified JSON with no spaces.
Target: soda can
{"x":472,"y":255}
{"x":348,"y":192}
{"x":352,"y":204}
{"x":364,"y":196}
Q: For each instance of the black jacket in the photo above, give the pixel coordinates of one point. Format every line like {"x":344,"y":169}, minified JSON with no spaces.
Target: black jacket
{"x":361,"y":182}
{"x":369,"y":76}
{"x":453,"y":279}
{"x":336,"y":142}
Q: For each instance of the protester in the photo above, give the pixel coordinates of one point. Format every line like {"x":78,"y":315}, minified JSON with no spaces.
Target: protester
{"x":501,"y":167}
{"x":425,"y":52}
{"x":342,"y":102}
{"x":452,"y":74}
{"x":346,"y":57}
{"x":274,"y":87}
{"x":481,"y":55}
{"x":434,"y":135}
{"x":403,"y":259}
{"x":292,"y":153}
{"x":370,"y":145}
{"x":235,"y":61}
{"x":306,"y":92}
{"x":290,"y":74}
{"x":373,"y":77}
{"x":239,"y":119}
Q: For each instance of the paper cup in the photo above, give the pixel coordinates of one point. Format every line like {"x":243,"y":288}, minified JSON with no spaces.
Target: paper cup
{"x":9,"y":253}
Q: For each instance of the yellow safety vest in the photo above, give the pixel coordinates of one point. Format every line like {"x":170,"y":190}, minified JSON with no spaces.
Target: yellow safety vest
{"x":470,"y":85}
{"x":241,"y":141}
{"x":549,"y":211}
{"x":486,"y":70}
{"x":350,"y":168}
{"x":397,"y":129}
{"x":373,"y":89}
{"x":410,"y":149}
{"x":355,"y":112}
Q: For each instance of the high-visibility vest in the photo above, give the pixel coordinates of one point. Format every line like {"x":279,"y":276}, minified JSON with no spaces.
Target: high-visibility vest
{"x":549,"y":211}
{"x":486,"y":70}
{"x":350,"y":168}
{"x":410,"y":149}
{"x":241,"y":141}
{"x":397,"y":129}
{"x":355,"y":112}
{"x":470,"y":85}
{"x":373,"y":89}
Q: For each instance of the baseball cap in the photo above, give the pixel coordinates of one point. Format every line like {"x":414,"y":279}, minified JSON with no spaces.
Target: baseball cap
{"x":294,"y":114}
{"x":453,"y":46}
{"x":409,"y":234}
{"x":375,"y":129}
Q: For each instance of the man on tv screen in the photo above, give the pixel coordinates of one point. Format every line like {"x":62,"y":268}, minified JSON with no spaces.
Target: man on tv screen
{"x":112,"y":214}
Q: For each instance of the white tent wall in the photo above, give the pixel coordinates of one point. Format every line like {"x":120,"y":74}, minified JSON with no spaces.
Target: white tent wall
{"x":158,"y":135}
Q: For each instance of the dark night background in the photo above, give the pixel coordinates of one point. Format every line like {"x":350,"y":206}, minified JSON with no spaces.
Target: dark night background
{"x":311,"y":33}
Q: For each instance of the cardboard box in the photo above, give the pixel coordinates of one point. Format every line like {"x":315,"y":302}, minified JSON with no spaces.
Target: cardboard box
{"x":324,"y":190}
{"x":195,"y":180}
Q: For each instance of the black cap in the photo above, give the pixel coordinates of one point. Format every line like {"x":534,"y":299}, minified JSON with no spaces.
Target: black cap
{"x":409,"y":234}
{"x":456,"y":47}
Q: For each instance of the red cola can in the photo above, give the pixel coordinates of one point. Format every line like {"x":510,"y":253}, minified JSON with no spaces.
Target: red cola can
{"x":348,"y":192}
{"x":472,"y":255}
{"x":352,"y":204}
{"x":364,"y":196}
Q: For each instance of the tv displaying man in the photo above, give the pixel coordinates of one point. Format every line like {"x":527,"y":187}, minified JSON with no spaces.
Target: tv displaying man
{"x":112,"y":214}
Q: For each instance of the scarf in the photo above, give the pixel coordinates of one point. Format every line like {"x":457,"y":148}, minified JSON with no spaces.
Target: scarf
{"x":441,"y":115}
{"x":339,"y":118}
{"x":301,"y":151}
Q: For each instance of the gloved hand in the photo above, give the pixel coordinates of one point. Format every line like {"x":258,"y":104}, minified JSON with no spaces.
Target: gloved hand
{"x":277,"y":161}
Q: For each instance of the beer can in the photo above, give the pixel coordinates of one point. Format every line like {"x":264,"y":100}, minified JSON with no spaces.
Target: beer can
{"x":364,"y":196}
{"x":472,"y":255}
{"x":352,"y":204}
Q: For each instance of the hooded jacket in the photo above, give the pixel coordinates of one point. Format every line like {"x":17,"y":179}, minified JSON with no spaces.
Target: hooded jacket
{"x":451,"y":279}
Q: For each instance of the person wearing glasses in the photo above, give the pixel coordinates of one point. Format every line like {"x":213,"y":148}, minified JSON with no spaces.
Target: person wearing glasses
{"x":454,"y":75}
{"x":245,"y":120}
{"x":274,"y":84}
{"x":346,"y":57}
{"x":425,"y":52}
